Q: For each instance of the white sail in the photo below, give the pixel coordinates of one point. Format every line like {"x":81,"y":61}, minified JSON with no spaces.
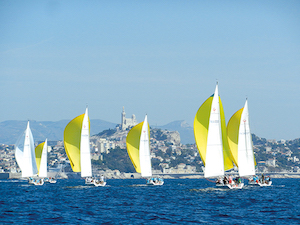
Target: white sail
{"x":245,"y":149}
{"x":85,"y":155}
{"x":144,"y":153}
{"x":25,"y":154}
{"x":214,"y":155}
{"x":19,"y":151}
{"x":43,"y":163}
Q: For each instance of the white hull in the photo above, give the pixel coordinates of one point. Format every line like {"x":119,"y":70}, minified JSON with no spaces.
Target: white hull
{"x":35,"y":181}
{"x":49,"y":180}
{"x":98,"y":183}
{"x":155,"y":181}
{"x":39,"y":182}
{"x":260,"y":182}
{"x":231,"y":186}
{"x":93,"y":181}
{"x":156,"y":184}
{"x":265,"y":184}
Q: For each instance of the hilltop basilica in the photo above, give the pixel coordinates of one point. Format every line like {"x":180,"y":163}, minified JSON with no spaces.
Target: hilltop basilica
{"x":127,"y":122}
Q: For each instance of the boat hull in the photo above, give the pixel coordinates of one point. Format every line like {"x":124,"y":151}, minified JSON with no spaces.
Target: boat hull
{"x":50,"y":180}
{"x":260,"y":184}
{"x":36,"y":181}
{"x":99,"y":183}
{"x":95,"y":182}
{"x":155,"y":181}
{"x":39,"y":182}
{"x":231,"y":186}
{"x":265,"y":184}
{"x":156,"y":184}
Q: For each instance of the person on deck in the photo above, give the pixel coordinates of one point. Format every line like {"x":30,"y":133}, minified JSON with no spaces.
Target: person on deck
{"x":262,"y":178}
{"x":230,"y":179}
{"x":101,"y":178}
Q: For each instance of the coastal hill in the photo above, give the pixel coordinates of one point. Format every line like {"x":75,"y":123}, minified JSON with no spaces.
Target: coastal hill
{"x":11,"y":130}
{"x":185,"y":130}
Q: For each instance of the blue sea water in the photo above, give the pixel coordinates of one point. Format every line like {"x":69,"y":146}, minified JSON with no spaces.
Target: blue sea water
{"x":178,"y":201}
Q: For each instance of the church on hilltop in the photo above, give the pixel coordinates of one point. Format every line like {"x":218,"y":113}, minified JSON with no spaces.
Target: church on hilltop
{"x":127,"y":122}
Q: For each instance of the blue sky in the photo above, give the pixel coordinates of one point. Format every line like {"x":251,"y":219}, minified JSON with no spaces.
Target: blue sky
{"x":156,"y":57}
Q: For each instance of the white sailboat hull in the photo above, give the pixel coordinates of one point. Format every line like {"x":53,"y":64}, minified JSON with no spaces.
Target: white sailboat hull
{"x":265,"y":184}
{"x":36,"y":181}
{"x":231,"y":186}
{"x":156,"y":183}
{"x":98,"y":183}
{"x":260,"y":184}
{"x":95,"y":182}
{"x":39,"y":182}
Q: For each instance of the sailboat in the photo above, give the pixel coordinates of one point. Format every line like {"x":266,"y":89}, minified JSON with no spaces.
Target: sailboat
{"x":77,"y":147}
{"x":240,"y":142}
{"x":25,"y":157}
{"x":41,"y":161}
{"x":211,"y":139}
{"x":138,"y":148}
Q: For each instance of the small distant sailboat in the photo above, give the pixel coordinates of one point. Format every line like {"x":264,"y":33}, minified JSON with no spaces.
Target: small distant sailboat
{"x":77,"y":146}
{"x":211,"y":139}
{"x":25,"y":157}
{"x":41,"y":161}
{"x":240,"y":142}
{"x":138,"y":148}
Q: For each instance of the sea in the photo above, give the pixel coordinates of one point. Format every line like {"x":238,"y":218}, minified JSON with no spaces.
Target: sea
{"x":130,"y":201}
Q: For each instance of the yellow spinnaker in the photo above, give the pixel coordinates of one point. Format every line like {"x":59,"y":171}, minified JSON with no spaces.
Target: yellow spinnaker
{"x":72,"y":137}
{"x":133,"y":143}
{"x":38,"y":155}
{"x":233,"y":127}
{"x":201,"y":126}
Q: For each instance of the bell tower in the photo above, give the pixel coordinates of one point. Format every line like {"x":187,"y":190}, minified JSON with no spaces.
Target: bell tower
{"x":123,"y":119}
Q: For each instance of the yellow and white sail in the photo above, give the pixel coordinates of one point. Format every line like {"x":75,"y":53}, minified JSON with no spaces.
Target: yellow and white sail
{"x":77,"y":146}
{"x":240,"y":141}
{"x":138,"y":148}
{"x":211,"y":137}
{"x":41,"y":158}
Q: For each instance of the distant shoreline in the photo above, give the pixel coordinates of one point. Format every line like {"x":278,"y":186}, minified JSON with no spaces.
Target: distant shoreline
{"x":5,"y":176}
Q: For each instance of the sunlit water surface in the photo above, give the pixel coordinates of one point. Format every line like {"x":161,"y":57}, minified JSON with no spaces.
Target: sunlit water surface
{"x":182,"y":201}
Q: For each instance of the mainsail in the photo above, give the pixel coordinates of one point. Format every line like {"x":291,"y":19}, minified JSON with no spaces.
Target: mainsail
{"x":25,"y":154}
{"x":211,"y":137}
{"x":41,"y":158}
{"x":240,"y":141}
{"x":76,"y":141}
{"x":85,"y":152}
{"x":138,"y":148}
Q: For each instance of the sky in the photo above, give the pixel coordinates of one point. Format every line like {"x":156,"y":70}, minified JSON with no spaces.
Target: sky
{"x":160,"y":58}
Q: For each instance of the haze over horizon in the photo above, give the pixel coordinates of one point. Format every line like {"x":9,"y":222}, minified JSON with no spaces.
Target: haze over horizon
{"x":162,"y":58}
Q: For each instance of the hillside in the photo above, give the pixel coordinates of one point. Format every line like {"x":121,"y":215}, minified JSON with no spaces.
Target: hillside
{"x":11,"y":130}
{"x":185,"y":130}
